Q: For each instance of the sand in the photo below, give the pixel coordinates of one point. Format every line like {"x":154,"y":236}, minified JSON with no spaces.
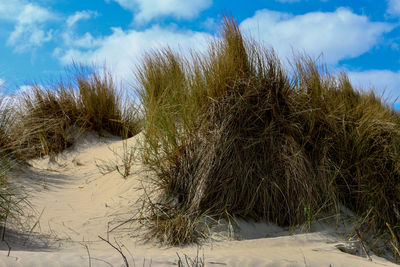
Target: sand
{"x":78,"y":196}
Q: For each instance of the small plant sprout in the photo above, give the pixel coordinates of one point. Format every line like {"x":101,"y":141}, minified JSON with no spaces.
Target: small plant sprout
{"x":123,"y":162}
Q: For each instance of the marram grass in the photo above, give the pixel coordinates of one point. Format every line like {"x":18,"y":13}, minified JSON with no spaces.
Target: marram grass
{"x":9,"y":197}
{"x":48,"y":119}
{"x":51,"y":117}
{"x":233,"y":133}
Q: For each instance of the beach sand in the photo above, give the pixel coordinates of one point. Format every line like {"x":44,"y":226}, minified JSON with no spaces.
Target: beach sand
{"x":73,"y":201}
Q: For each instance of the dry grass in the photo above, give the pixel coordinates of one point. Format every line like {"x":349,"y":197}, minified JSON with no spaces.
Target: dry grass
{"x":230,"y":133}
{"x":9,"y":197}
{"x":234,"y":133}
{"x":51,"y":117}
{"x":48,"y":119}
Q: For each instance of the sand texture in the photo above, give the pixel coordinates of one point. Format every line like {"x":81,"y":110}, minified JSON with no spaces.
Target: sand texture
{"x":77,"y":196}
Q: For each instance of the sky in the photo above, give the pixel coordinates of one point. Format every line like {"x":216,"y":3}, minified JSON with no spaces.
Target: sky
{"x":40,"y":38}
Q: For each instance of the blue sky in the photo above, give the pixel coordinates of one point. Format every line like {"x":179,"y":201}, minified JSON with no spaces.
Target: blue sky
{"x":39,"y":38}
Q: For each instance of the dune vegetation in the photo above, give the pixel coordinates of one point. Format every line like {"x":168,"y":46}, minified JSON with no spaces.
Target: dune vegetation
{"x":46,"y":120}
{"x":49,"y":118}
{"x":9,"y":197}
{"x":233,"y":133}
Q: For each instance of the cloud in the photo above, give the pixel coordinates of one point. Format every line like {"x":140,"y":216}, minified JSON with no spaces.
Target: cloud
{"x":1,"y":82}
{"x":9,"y":9}
{"x":85,"y":41}
{"x":69,"y":37}
{"x":339,"y":35}
{"x":382,"y":82}
{"x":394,"y":7}
{"x":80,"y":15}
{"x":146,"y":10}
{"x":28,"y":20}
{"x":27,"y":36}
{"x":122,"y":50}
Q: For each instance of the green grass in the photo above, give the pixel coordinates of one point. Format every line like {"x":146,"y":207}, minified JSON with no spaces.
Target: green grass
{"x":234,"y":133}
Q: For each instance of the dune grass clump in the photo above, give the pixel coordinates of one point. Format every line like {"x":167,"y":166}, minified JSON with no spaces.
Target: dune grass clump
{"x":103,"y":106}
{"x":9,"y":198}
{"x":50,"y":117}
{"x":46,"y":121}
{"x":233,"y":133}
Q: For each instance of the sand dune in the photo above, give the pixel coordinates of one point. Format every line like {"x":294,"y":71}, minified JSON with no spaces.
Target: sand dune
{"x":72,"y":203}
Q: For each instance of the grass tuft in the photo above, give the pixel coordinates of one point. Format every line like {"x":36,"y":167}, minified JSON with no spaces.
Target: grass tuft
{"x":233,"y":133}
{"x":52,"y":117}
{"x":10,"y":198}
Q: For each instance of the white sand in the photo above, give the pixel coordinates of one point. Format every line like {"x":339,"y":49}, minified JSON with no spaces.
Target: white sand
{"x":75,"y":204}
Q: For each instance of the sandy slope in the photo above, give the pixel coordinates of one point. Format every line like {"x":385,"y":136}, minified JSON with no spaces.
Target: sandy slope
{"x":75,"y":204}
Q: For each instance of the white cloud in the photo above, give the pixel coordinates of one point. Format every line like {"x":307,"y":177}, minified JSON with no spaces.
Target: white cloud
{"x":27,"y":36}
{"x":86,"y":41}
{"x":31,"y":14}
{"x":122,"y":50}
{"x":29,"y":20}
{"x":146,"y":10}
{"x":80,"y":15}
{"x":69,"y":37}
{"x":394,"y":7}
{"x":1,"y":82}
{"x":339,"y":35}
{"x":381,"y":81}
{"x":10,"y":9}
{"x":23,"y":12}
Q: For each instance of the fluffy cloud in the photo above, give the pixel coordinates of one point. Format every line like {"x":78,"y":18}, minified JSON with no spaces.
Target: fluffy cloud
{"x":146,"y":10}
{"x":86,"y":41}
{"x":394,"y":7}
{"x":383,"y":82}
{"x":339,"y":35}
{"x":28,"y":19}
{"x":80,"y":15}
{"x":122,"y":50}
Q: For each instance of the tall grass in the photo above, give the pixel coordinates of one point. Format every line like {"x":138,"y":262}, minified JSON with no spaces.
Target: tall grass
{"x":47,"y":119}
{"x":9,"y":197}
{"x":234,"y":133}
{"x":51,"y":117}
